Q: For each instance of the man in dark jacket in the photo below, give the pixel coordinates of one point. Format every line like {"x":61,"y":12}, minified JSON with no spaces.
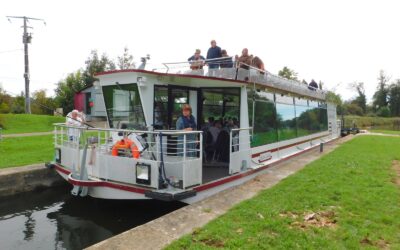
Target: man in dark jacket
{"x":313,"y":85}
{"x":213,"y":52}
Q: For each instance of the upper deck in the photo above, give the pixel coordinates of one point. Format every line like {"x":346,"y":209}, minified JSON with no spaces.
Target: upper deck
{"x":252,"y":75}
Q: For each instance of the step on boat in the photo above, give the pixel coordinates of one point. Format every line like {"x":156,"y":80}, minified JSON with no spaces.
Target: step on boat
{"x":262,"y":119}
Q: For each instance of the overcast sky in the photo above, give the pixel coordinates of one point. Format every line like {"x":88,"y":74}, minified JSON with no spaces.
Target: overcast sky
{"x":337,"y":42}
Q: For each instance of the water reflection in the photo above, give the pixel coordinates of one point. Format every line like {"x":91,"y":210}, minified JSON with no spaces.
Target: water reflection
{"x":53,"y":219}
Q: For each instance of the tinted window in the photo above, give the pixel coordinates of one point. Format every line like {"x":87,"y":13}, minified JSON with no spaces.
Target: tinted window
{"x":286,"y":121}
{"x":123,"y":106}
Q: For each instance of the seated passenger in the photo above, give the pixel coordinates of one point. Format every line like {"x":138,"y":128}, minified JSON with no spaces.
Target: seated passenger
{"x":214,"y":130}
{"x":213,"y":52}
{"x":244,"y":60}
{"x":196,"y":61}
{"x":227,"y":61}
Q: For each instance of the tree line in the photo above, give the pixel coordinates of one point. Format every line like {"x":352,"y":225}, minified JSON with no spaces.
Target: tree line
{"x":65,"y":88}
{"x":385,"y":101}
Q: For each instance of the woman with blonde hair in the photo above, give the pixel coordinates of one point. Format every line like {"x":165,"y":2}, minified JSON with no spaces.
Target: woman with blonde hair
{"x":187,"y":122}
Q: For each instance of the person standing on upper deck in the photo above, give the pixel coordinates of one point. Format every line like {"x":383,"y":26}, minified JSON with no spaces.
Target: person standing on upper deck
{"x":213,"y":53}
{"x":244,"y":60}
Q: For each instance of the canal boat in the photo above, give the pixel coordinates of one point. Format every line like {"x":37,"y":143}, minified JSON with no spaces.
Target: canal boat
{"x":247,"y":120}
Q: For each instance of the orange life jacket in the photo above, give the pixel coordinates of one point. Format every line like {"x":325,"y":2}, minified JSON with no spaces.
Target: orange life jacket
{"x":126,"y":144}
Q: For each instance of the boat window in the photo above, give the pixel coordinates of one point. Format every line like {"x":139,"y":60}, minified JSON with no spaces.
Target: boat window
{"x":221,"y":104}
{"x":286,"y":121}
{"x":264,"y":131}
{"x":311,"y":119}
{"x":160,"y":107}
{"x":283,"y":99}
{"x":123,"y":106}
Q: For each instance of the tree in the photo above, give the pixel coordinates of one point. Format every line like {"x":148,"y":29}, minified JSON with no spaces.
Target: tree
{"x":41,"y":103}
{"x":336,"y":99}
{"x":352,"y":108}
{"x":361,"y":99}
{"x":5,"y":101}
{"x":126,"y":60}
{"x":380,"y":98}
{"x":394,"y":98}
{"x":18,"y":104}
{"x":66,"y":90}
{"x":94,"y":65}
{"x":288,"y":73}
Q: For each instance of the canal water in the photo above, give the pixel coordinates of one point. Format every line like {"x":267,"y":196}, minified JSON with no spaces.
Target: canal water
{"x":53,"y":219}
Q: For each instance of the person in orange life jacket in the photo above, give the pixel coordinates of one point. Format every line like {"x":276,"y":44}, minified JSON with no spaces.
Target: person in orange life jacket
{"x":186,"y":122}
{"x":125,"y":144}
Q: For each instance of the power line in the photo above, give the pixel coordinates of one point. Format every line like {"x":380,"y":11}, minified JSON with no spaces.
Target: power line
{"x":26,"y":39}
{"x":8,"y":51}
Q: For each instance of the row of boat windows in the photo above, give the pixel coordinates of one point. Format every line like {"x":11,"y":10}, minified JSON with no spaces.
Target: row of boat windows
{"x":277,"y":118}
{"x":273,"y":117}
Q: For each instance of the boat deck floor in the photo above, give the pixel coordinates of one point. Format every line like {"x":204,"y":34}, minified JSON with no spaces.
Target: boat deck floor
{"x":214,"y":171}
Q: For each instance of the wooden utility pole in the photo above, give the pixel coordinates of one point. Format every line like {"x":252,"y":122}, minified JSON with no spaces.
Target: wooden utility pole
{"x":26,"y":39}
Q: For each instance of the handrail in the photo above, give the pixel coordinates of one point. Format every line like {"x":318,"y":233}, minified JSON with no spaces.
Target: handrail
{"x":205,"y":60}
{"x":239,"y":129}
{"x":166,"y":132}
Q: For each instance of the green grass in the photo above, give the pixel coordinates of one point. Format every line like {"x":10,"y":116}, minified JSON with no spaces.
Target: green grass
{"x":21,"y":151}
{"x":354,"y":183}
{"x":389,"y":132}
{"x":368,"y":121}
{"x":22,"y":123}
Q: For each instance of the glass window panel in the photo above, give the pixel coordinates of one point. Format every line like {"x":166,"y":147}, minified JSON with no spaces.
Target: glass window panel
{"x":286,"y":121}
{"x":160,"y":107}
{"x":221,"y":104}
{"x":301,"y":102}
{"x":124,"y":107}
{"x":264,"y":96}
{"x":264,"y":131}
{"x":304,"y":120}
{"x":284,"y":99}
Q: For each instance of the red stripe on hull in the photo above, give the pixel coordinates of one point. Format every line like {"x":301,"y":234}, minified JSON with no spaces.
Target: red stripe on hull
{"x":285,"y":147}
{"x":198,"y":188}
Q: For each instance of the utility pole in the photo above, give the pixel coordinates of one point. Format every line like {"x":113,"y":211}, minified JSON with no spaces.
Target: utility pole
{"x":26,"y":39}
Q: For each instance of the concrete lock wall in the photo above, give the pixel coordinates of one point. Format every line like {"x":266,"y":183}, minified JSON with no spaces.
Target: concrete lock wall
{"x":28,"y":178}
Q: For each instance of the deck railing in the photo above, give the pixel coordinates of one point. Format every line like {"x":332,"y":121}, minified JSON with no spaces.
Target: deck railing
{"x":240,"y":149}
{"x":243,"y":72}
{"x":178,"y":154}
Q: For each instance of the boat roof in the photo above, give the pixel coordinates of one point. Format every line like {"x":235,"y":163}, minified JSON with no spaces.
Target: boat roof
{"x":253,"y":76}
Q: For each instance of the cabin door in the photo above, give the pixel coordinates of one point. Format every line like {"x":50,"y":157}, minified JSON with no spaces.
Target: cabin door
{"x":168,"y":102}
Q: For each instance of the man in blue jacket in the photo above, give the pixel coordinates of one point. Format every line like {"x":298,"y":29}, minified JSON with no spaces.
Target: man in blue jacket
{"x":214,"y":52}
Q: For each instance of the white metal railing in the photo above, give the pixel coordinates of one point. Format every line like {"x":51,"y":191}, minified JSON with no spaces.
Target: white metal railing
{"x":243,"y":72}
{"x":240,"y":139}
{"x":240,"y":149}
{"x":176,"y":151}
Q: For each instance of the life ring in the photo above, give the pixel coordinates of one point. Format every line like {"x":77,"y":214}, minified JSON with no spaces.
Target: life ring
{"x":126,"y":144}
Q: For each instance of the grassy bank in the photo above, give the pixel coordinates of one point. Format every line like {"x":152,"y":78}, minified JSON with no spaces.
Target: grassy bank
{"x":345,"y":200}
{"x":389,"y":132}
{"x":22,"y":123}
{"x":392,"y":123}
{"x":21,"y":151}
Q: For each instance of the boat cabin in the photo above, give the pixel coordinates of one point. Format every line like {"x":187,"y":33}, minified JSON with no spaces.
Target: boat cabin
{"x":246,"y":119}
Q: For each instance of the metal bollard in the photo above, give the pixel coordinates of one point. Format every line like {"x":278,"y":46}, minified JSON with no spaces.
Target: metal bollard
{"x":321,"y":147}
